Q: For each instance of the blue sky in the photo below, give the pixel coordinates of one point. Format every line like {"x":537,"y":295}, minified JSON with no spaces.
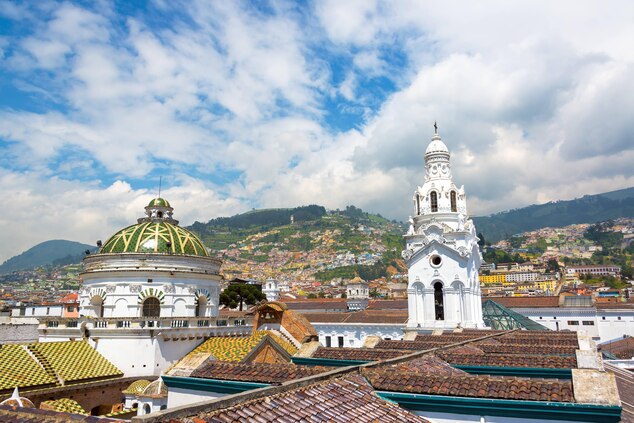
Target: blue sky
{"x":279,"y":103}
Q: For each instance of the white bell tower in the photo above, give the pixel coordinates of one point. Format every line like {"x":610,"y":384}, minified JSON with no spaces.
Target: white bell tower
{"x":441,"y":251}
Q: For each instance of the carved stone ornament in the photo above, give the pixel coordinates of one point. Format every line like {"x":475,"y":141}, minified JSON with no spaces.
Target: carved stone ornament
{"x":168,"y":288}
{"x":135,"y":288}
{"x":110,"y":289}
{"x":407,"y":254}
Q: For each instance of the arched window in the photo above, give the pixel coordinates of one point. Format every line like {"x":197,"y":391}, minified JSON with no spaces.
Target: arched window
{"x":433,"y":200}
{"x":146,"y":409}
{"x":438,"y":301}
{"x":201,"y":303}
{"x":97,"y":303}
{"x":151,"y":307}
{"x":417,"y":204}
{"x":454,"y":207}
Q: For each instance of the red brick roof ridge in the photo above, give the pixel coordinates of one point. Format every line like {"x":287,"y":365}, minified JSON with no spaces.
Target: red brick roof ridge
{"x":236,"y":399}
{"x":363,"y":387}
{"x":467,"y":385}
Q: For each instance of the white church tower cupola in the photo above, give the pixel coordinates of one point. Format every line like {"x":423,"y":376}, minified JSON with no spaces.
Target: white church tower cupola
{"x":271,"y":290}
{"x":441,"y":251}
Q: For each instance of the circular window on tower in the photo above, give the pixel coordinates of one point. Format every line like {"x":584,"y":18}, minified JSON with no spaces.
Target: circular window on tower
{"x":435,"y":260}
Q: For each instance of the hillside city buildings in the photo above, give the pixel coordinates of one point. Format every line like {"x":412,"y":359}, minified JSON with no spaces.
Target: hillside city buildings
{"x":150,"y":342}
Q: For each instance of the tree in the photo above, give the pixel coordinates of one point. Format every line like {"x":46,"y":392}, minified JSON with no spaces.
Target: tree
{"x":239,"y":294}
{"x":552,"y":265}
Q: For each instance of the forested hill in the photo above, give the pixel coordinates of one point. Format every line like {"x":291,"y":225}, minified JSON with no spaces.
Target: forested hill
{"x":56,"y":252}
{"x":264,"y":218}
{"x":587,"y":209}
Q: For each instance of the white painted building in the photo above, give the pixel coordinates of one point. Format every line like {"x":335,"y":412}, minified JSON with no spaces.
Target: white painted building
{"x":271,"y":289}
{"x":149,"y":296}
{"x":357,"y":294}
{"x":442,"y":253}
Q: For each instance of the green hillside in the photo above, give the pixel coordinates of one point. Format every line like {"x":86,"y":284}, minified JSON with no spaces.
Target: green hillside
{"x":56,"y":252}
{"x":587,"y":209}
{"x":264,"y":243}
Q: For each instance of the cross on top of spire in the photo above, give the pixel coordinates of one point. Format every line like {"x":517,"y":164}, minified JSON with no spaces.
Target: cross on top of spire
{"x":435,"y":128}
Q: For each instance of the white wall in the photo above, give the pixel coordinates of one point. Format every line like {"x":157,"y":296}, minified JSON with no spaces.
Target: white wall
{"x":179,"y":396}
{"x":39,"y":311}
{"x":354,"y":334}
{"x":467,"y":418}
{"x":143,"y":356}
{"x":607,"y":325}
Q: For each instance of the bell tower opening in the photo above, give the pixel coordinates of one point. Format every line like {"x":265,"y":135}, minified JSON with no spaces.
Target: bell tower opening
{"x":433,"y":201}
{"x":454,"y":207}
{"x":438,"y":302}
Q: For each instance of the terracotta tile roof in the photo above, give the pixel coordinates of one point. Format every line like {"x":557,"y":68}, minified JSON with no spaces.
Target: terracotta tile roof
{"x":411,"y":345}
{"x":387,"y":305}
{"x":623,"y":348}
{"x":428,"y":364}
{"x":527,"y":349}
{"x":255,"y":372}
{"x":338,"y":317}
{"x":367,"y":354}
{"x":346,"y":399}
{"x":510,"y":360}
{"x":475,"y":386}
{"x":466,"y":349}
{"x":618,"y":306}
{"x":447,"y":338}
{"x":520,"y":302}
{"x":564,"y":334}
{"x":321,"y":304}
{"x":539,"y":340}
{"x":625,"y":385}
{"x":365,"y":316}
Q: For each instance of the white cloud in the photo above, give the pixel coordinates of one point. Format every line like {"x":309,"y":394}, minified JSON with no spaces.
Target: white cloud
{"x":532,"y":99}
{"x":38,"y":209}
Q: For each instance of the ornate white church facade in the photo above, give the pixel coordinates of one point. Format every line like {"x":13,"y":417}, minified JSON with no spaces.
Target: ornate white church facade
{"x":149,"y":296}
{"x":441,"y":252}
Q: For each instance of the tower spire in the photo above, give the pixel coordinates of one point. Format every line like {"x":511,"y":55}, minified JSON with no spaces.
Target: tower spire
{"x":435,"y":128}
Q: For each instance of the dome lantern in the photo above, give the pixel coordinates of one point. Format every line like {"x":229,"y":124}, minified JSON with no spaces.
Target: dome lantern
{"x":159,"y":209}
{"x":157,"y":232}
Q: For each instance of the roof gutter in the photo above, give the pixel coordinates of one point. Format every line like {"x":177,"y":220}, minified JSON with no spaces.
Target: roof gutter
{"x":537,"y":410}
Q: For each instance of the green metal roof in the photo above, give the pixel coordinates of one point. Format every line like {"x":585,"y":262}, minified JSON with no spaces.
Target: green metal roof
{"x":498,"y":317}
{"x":153,"y":237}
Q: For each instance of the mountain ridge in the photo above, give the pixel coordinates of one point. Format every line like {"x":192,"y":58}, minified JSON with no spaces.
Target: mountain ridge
{"x":51,"y":252}
{"x":586,"y":209}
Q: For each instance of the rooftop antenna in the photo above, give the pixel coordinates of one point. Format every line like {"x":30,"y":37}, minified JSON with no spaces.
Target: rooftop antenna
{"x":160,"y":181}
{"x":435,"y":128}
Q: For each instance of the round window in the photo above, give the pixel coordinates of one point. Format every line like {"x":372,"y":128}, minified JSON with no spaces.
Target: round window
{"x":436,"y":260}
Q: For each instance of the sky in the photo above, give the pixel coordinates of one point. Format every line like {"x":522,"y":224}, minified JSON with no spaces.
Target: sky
{"x":241,"y":105}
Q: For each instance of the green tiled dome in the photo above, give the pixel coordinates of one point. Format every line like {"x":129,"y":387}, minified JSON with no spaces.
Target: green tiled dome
{"x":153,"y":237}
{"x":159,"y":202}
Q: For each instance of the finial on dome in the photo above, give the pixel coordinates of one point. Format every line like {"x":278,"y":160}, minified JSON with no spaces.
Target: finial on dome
{"x":435,"y":128}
